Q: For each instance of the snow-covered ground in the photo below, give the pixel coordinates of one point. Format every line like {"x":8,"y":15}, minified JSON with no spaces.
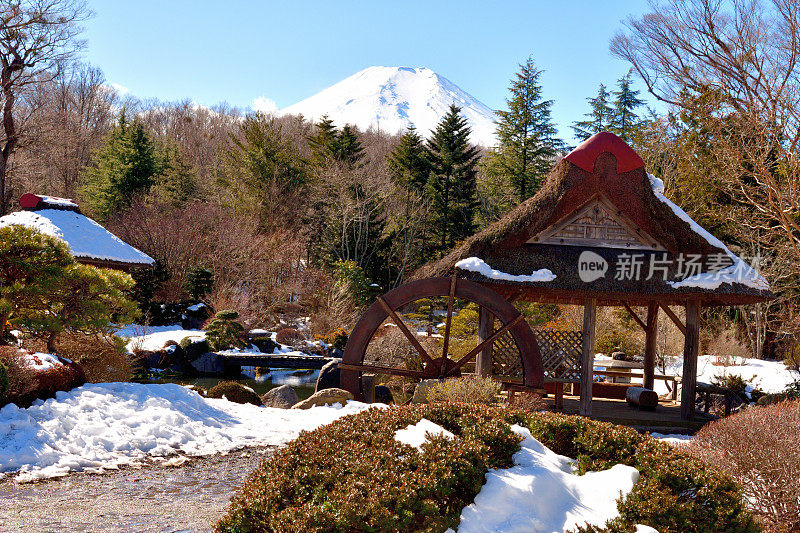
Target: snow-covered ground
{"x":103,"y":426}
{"x":769,"y":376}
{"x":153,"y":338}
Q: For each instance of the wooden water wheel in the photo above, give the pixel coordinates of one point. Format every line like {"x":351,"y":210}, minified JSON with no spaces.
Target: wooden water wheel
{"x":429,"y":364}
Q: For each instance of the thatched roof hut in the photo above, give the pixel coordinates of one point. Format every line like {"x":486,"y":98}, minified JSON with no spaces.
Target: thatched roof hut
{"x":88,"y":241}
{"x":601,"y":232}
{"x":599,"y":208}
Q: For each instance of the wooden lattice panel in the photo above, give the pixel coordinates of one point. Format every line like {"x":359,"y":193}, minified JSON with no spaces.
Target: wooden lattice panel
{"x":506,"y":360}
{"x":561,"y":354}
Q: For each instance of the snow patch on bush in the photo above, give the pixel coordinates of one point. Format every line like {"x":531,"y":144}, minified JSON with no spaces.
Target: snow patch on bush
{"x":540,"y":493}
{"x":417,"y":434}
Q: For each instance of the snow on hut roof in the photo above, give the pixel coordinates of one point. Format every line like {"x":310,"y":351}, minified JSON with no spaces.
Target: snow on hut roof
{"x":85,"y":238}
{"x":600,"y":199}
{"x":34,"y":202}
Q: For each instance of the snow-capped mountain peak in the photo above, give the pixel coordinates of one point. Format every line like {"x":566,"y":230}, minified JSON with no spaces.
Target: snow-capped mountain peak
{"x":393,"y":98}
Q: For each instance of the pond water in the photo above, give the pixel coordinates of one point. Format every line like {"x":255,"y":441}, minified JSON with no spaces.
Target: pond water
{"x":302,"y":381}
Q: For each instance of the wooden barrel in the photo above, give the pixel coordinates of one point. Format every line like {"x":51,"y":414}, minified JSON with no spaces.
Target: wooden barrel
{"x":641,"y":397}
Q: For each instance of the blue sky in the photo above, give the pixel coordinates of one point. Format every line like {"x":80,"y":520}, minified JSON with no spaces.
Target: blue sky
{"x":236,"y":51}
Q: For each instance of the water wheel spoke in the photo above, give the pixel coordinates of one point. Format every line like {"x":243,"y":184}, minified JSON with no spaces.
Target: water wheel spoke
{"x":410,"y":336}
{"x":450,"y":300}
{"x":479,"y":348}
{"x":394,"y":371}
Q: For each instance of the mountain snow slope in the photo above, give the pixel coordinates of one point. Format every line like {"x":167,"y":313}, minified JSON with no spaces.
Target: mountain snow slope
{"x":393,"y":98}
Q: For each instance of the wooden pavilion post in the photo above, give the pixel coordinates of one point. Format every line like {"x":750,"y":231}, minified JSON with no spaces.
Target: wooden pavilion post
{"x":650,"y":331}
{"x":587,"y":356}
{"x":483,"y":361}
{"x":691,"y":347}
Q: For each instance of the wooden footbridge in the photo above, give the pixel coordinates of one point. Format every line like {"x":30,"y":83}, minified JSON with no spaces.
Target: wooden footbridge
{"x":309,"y":362}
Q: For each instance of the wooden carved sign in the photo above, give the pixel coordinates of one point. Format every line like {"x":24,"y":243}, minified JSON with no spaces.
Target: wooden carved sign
{"x":598,"y":223}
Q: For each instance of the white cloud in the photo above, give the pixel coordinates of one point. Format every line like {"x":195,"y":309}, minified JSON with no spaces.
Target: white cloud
{"x":121,"y":89}
{"x":264,"y":105}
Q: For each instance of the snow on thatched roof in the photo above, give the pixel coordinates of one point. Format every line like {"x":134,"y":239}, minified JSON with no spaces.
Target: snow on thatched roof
{"x":600,"y":199}
{"x":87,"y":240}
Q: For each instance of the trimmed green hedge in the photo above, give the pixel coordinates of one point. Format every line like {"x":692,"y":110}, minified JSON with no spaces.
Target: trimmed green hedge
{"x":351,"y":475}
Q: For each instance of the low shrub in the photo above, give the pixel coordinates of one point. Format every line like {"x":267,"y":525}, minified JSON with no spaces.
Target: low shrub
{"x":63,"y":377}
{"x":528,"y":401}
{"x":3,"y":381}
{"x":103,"y":359}
{"x":472,"y":389}
{"x":21,"y":386}
{"x":732,"y":382}
{"x":758,"y":448}
{"x":224,"y":332}
{"x":234,"y":392}
{"x":335,"y":339}
{"x":289,"y":336}
{"x":351,"y":475}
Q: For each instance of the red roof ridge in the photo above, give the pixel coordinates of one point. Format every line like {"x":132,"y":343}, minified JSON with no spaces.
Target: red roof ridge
{"x":586,"y":153}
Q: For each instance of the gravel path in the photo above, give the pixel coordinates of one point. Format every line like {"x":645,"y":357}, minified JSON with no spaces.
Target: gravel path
{"x":153,"y":498}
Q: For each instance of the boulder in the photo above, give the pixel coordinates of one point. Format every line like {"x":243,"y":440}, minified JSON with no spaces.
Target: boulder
{"x":328,"y":377}
{"x":175,"y":355}
{"x":148,"y":359}
{"x":264,"y":344}
{"x":194,"y":348}
{"x":383,"y":394}
{"x":282,"y":397}
{"x":209,"y":363}
{"x":324,"y":397}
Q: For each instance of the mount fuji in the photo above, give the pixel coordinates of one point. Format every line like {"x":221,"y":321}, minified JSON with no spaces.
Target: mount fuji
{"x":391,"y":99}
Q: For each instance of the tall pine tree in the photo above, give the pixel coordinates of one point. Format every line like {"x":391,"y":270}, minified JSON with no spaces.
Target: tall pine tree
{"x":600,"y":118}
{"x":626,"y":101}
{"x":126,"y":165}
{"x":527,"y":136}
{"x":409,"y":163}
{"x":453,"y":179}
{"x":410,"y":169}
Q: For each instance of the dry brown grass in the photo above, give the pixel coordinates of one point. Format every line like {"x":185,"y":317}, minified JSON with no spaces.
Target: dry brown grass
{"x":466,"y":389}
{"x":103,"y":359}
{"x":727,"y":349}
{"x":758,"y":448}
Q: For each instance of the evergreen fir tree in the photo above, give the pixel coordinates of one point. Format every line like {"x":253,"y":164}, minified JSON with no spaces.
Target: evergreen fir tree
{"x":348,"y":149}
{"x":324,"y":141}
{"x":177,"y":182}
{"x":125,"y":166}
{"x":600,"y":118}
{"x":263,"y":167}
{"x":410,"y":169}
{"x":408,"y":161}
{"x":453,"y":179}
{"x":527,"y":136}
{"x":626,"y":101}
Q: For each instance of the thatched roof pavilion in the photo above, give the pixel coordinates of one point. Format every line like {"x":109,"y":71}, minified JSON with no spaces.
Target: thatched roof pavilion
{"x":89,"y":242}
{"x":601,"y":232}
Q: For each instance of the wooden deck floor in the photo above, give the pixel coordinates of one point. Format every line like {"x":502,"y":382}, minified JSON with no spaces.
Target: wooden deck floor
{"x":666,"y":417}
